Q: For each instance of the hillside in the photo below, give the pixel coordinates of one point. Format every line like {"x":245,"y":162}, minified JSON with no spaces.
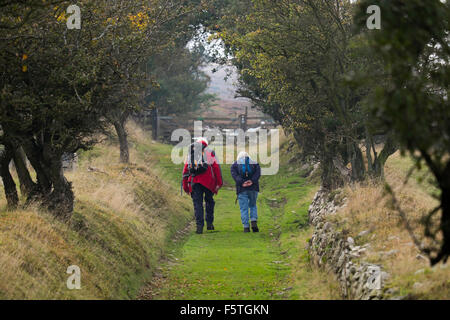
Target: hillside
{"x":124,"y":218}
{"x":223,"y":84}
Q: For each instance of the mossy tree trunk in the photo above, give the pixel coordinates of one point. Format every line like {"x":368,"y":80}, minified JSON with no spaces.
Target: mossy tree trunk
{"x":121,"y":131}
{"x":377,"y":162}
{"x":12,"y":197}
{"x":61,"y":199}
{"x":27,"y":186}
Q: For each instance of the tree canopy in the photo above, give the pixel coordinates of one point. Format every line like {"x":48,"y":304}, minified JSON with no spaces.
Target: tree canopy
{"x":297,"y":60}
{"x":60,"y":87}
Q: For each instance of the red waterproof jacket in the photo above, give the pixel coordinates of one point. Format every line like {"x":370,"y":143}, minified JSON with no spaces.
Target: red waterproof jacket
{"x":211,"y":178}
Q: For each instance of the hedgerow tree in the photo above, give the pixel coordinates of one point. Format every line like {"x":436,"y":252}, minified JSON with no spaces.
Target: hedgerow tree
{"x":414,"y":44}
{"x":59,"y":87}
{"x":150,"y":28}
{"x":14,"y":16}
{"x":296,"y":57}
{"x":49,"y":85}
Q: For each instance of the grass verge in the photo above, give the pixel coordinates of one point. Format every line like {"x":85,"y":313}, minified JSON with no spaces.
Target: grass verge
{"x":124,"y":218}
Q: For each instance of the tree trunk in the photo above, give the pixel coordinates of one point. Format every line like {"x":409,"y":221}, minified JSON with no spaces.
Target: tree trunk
{"x":55,"y":192}
{"x":370,"y":160}
{"x":390,"y":147}
{"x":356,"y":159}
{"x":332,"y":178}
{"x":123,"y":141}
{"x":12,"y":197}
{"x":444,"y":184}
{"x":34,"y":154}
{"x":27,"y":186}
{"x":378,"y":161}
{"x":445,"y":222}
{"x":339,"y":165}
{"x":60,"y":201}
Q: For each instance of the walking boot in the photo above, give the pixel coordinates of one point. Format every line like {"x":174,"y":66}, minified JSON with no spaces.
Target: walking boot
{"x":199,"y":230}
{"x":246,"y":230}
{"x":255,"y":226}
{"x":210,"y":227}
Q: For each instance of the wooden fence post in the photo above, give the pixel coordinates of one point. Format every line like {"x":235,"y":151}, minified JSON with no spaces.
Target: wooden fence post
{"x":155,"y":124}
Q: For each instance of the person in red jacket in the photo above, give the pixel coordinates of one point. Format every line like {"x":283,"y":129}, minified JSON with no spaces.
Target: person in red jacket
{"x":203,"y":184}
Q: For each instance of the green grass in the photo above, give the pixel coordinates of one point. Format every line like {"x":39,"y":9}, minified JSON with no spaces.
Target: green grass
{"x":423,"y":178}
{"x":229,"y":264}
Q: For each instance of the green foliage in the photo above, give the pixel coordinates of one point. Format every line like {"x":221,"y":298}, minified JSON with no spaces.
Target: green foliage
{"x":297,"y":61}
{"x":59,"y":88}
{"x":413,"y":43}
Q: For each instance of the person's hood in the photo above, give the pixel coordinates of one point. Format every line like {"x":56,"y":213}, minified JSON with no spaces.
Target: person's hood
{"x":203,"y":141}
{"x":242,"y":156}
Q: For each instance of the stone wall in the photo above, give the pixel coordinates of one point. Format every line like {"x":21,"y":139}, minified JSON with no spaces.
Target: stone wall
{"x":332,"y":251}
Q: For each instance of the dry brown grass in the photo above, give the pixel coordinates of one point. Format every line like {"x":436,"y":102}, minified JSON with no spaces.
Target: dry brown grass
{"x":123,"y":219}
{"x":390,"y":244}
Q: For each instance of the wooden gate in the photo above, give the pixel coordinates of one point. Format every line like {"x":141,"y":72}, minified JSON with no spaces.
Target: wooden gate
{"x":163,"y":126}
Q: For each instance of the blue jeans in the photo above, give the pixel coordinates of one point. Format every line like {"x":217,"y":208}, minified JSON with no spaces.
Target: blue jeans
{"x":247,"y":202}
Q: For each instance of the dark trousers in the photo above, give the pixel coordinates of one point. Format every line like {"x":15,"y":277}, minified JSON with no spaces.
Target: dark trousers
{"x":199,"y":192}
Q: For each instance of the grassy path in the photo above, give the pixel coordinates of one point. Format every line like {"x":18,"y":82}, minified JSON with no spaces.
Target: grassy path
{"x":229,"y":264}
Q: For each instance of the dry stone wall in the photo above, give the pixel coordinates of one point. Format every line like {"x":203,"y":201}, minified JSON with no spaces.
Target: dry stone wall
{"x":331,"y":250}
